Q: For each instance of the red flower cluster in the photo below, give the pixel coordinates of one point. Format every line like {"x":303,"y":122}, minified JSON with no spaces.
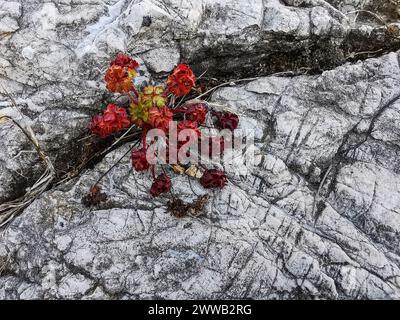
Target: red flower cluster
{"x":181,"y":81}
{"x":226,"y":120}
{"x":191,"y":125}
{"x":151,"y":109}
{"x":120,"y":74}
{"x":194,"y":133}
{"x":112,"y":120}
{"x":123,"y":60}
{"x":160,"y":118}
{"x":161,"y":184}
{"x":139,"y":161}
{"x":197,"y":113}
{"x":213,"y":178}
{"x":118,"y":79}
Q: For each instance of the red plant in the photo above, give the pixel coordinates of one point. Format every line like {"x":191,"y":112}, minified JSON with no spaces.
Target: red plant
{"x":160,"y":118}
{"x":139,"y":161}
{"x":194,"y":132}
{"x":181,"y":81}
{"x":151,"y":109}
{"x":213,"y":178}
{"x":118,"y":79}
{"x":197,"y":113}
{"x":226,"y":120}
{"x":112,"y":120}
{"x":161,"y":184}
{"x":187,"y":124}
{"x":124,"y":60}
{"x":99,"y":127}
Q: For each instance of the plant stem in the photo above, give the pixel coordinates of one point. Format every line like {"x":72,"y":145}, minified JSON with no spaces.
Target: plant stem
{"x":135,"y":92}
{"x":202,"y":165}
{"x":179,"y":110}
{"x":144,"y":134}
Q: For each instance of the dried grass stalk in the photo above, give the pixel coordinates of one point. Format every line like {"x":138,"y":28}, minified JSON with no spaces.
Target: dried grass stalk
{"x":11,"y":209}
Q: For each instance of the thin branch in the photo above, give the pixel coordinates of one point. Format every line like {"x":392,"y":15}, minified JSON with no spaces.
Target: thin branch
{"x":224,"y":85}
{"x":12,"y":208}
{"x":116,"y":163}
{"x":370,"y":13}
{"x":118,"y":140}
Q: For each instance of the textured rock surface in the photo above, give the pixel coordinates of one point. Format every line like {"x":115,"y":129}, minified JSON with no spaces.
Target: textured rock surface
{"x":53,"y":55}
{"x":259,"y":238}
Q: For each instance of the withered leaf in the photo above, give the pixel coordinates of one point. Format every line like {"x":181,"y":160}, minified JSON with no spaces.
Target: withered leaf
{"x":178,"y":169}
{"x":393,"y":29}
{"x":191,"y":171}
{"x":94,"y":197}
{"x":180,"y":209}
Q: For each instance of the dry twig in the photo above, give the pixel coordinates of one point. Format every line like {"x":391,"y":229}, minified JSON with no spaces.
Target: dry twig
{"x":11,"y":209}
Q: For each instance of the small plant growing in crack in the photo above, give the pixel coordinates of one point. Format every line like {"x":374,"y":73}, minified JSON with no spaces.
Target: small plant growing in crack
{"x":169,"y":121}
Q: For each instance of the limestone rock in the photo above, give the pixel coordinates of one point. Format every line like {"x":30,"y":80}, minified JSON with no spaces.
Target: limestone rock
{"x":316,"y":217}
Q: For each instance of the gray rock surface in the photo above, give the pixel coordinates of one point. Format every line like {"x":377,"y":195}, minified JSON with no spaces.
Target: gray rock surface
{"x":332,"y":136}
{"x":53,"y":55}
